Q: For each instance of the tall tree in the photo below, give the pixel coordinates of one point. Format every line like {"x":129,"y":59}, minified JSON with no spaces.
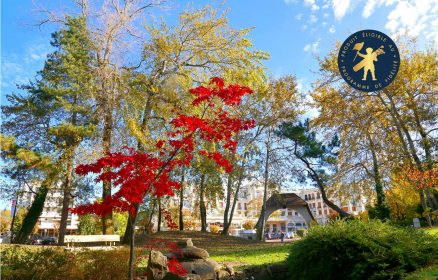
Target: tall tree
{"x":319,"y":160}
{"x":406,"y":108}
{"x":200,"y":45}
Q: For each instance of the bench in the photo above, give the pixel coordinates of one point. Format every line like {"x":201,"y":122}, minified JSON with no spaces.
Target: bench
{"x":110,"y":240}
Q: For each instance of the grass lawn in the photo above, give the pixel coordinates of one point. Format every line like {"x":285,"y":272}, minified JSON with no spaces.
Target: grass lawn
{"x":427,"y":273}
{"x":226,"y":249}
{"x":433,"y":231}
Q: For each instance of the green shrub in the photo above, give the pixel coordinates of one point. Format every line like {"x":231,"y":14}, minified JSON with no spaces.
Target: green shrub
{"x":53,"y":263}
{"x":360,"y":250}
{"x":301,"y":232}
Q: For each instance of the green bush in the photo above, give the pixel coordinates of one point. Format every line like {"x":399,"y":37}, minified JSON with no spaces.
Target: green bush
{"x":360,"y":250}
{"x":301,"y":232}
{"x":52,"y":263}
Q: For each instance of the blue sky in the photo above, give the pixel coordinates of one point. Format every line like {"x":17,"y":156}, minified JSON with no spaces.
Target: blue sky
{"x":294,"y":32}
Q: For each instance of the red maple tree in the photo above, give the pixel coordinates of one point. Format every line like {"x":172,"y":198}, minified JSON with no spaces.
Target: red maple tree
{"x":135,"y":173}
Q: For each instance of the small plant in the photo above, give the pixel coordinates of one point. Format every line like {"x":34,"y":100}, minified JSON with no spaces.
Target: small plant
{"x":214,"y":228}
{"x":248,"y":224}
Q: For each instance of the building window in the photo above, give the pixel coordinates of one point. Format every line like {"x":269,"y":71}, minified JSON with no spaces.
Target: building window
{"x":289,"y":212}
{"x":239,"y":206}
{"x":313,"y":196}
{"x":245,"y":206}
{"x":320,"y":212}
{"x":283,"y":227}
{"x":319,"y":204}
{"x":274,"y":227}
{"x":283,"y":213}
{"x":317,"y":195}
{"x":296,"y":213}
{"x":221,"y":204}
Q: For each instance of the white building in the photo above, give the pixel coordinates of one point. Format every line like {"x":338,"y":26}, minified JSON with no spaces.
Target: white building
{"x":50,"y":219}
{"x":249,"y":203}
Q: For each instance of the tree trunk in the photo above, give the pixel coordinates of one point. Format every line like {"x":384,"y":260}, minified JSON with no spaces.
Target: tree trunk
{"x":133,"y":218}
{"x":381,"y":207}
{"x":67,"y":195}
{"x":128,"y":231}
{"x":202,"y":208}
{"x":107,"y":221}
{"x":261,"y":230}
{"x":151,"y":214}
{"x":236,"y":195}
{"x":413,"y":150}
{"x":146,"y":114}
{"x":181,"y":200}
{"x":33,"y":214}
{"x":321,"y":186}
{"x":159,"y":215}
{"x":228,"y":203}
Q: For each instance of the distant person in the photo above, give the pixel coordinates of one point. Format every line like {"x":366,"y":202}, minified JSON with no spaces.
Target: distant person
{"x":282,"y":237}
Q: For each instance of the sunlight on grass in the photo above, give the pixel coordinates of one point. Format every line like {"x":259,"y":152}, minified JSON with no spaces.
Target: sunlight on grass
{"x":433,"y":231}
{"x":265,"y":255}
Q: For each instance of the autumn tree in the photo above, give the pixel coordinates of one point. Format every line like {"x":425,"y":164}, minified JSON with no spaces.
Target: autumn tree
{"x":406,"y":111}
{"x":280,"y":103}
{"x":202,"y":44}
{"x":138,"y":173}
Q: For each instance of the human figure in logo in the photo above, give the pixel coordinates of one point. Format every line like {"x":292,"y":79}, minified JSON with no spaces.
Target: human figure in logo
{"x":368,"y":62}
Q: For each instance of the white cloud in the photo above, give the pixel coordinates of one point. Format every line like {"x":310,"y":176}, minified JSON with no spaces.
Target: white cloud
{"x":372,"y":5}
{"x":326,"y":15}
{"x":288,"y":2}
{"x":299,"y":16}
{"x":340,"y":8}
{"x":313,"y":19}
{"x":332,"y":29}
{"x":415,"y":18}
{"x":36,"y":53}
{"x":313,"y":47}
{"x":312,"y":4}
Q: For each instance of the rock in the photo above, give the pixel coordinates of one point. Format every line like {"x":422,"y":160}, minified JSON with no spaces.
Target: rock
{"x":172,"y":276}
{"x":185,"y":243}
{"x":154,"y":273}
{"x":190,"y":253}
{"x":217,"y":267}
{"x":157,"y":266}
{"x":157,"y":259}
{"x":229,"y":269}
{"x":200,"y":267}
{"x":222,"y":274}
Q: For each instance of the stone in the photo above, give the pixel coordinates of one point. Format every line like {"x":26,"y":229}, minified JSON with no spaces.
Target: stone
{"x":190,"y":253}
{"x":155,"y":273}
{"x":229,"y":269}
{"x":185,"y":243}
{"x":157,"y":259}
{"x":173,"y":276}
{"x":157,"y":266}
{"x":217,"y":267}
{"x":200,"y":267}
{"x":222,"y":274}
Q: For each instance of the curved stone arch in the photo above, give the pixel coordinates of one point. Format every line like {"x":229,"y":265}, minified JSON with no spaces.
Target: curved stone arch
{"x":283,"y":201}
